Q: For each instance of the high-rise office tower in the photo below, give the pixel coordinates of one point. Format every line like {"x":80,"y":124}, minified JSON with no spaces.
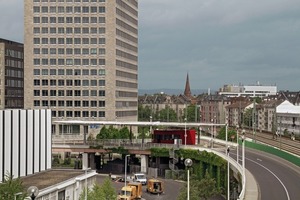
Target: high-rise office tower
{"x":11,"y":74}
{"x":81,"y":59}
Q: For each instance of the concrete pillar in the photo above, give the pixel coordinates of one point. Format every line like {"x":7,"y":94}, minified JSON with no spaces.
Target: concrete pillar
{"x":85,"y":161}
{"x":144,"y":163}
{"x":92,"y":161}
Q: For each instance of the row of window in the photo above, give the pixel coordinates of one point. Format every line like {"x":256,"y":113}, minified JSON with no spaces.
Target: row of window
{"x":54,"y":103}
{"x":14,"y":53}
{"x":68,"y":82}
{"x":69,"y":1}
{"x":69,"y":51}
{"x":69,"y":30}
{"x":14,"y":63}
{"x":75,"y":72}
{"x":68,"y":20}
{"x":77,"y":113}
{"x":68,"y":93}
{"x":61,"y":61}
{"x":68,"y":9}
{"x":70,"y":41}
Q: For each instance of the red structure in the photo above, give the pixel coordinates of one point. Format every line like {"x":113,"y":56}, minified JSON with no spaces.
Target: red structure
{"x":168,"y":136}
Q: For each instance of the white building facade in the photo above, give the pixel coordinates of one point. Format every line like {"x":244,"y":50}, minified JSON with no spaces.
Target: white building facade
{"x":25,"y":142}
{"x":248,"y":90}
{"x":288,"y":119}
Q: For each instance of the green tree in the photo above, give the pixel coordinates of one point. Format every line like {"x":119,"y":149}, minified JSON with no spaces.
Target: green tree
{"x":247,"y":117}
{"x":124,"y":133}
{"x":103,"y":134}
{"x":144,"y":113}
{"x":10,"y":187}
{"x":191,"y":112}
{"x":104,"y":192}
{"x":204,"y":188}
{"x":230,"y":134}
{"x":167,"y":115}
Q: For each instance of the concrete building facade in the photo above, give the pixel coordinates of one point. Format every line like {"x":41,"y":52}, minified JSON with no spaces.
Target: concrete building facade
{"x":11,"y":74}
{"x":81,"y":60}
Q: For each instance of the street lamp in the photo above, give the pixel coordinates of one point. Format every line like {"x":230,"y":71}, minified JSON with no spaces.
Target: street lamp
{"x":188,"y":162}
{"x":126,"y":171}
{"x":228,"y":173}
{"x":33,"y":191}
{"x":237,"y":143}
{"x":243,"y":149}
{"x":151,"y":124}
{"x":185,"y":131}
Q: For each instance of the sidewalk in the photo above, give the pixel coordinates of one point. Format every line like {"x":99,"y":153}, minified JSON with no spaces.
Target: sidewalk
{"x":252,"y":191}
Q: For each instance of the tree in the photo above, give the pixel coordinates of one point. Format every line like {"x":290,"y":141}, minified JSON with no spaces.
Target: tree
{"x":144,"y":113}
{"x":168,"y":115}
{"x":103,"y":134}
{"x":204,"y":188}
{"x":124,"y":133}
{"x":230,"y":134}
{"x":10,"y":187}
{"x":247,"y":117}
{"x":104,"y":192}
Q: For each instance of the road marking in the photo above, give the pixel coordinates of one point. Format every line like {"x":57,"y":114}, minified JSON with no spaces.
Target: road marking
{"x":260,"y":160}
{"x":287,"y":193}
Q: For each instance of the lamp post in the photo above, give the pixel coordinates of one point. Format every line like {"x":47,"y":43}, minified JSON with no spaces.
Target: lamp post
{"x":243,"y":149}
{"x":237,"y":143}
{"x":185,"y":135}
{"x":33,"y":191}
{"x":228,"y":174}
{"x":151,"y":125}
{"x":188,"y":162}
{"x":126,"y":171}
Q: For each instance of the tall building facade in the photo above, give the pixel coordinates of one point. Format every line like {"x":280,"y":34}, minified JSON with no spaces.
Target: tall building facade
{"x":11,"y":74}
{"x":81,"y":59}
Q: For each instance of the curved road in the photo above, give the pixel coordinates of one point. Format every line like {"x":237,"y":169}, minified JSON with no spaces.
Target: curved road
{"x":277,"y":178}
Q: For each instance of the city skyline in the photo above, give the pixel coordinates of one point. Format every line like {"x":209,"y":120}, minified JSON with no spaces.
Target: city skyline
{"x":216,"y":42}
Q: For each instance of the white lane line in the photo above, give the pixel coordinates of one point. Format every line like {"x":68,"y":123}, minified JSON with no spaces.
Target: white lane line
{"x":287,"y":193}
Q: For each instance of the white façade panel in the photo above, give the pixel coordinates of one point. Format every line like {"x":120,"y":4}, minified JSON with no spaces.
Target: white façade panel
{"x":1,"y":147}
{"x":23,"y":143}
{"x":7,"y":141}
{"x":49,"y":139}
{"x":15,"y":143}
{"x":36,"y":135}
{"x":29,"y":142}
{"x":43,"y":145}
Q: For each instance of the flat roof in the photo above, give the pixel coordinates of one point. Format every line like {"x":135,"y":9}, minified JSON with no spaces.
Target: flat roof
{"x":49,"y":178}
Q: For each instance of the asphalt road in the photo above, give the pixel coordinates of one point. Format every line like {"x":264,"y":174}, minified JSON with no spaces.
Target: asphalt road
{"x":277,"y":178}
{"x":172,"y":189}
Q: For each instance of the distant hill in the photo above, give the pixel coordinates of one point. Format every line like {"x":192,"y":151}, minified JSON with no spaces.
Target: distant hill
{"x":172,"y":91}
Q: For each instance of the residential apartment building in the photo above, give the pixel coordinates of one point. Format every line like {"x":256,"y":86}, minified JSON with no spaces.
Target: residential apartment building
{"x":213,"y":109}
{"x":81,"y":60}
{"x":288,"y":119}
{"x":11,"y":74}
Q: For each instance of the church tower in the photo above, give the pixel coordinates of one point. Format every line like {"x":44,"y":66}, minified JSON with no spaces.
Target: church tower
{"x":187,"y":90}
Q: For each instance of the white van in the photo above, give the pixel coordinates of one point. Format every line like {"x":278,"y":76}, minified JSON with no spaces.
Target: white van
{"x":140,"y":177}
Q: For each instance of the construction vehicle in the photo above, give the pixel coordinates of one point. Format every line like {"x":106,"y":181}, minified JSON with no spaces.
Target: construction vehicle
{"x":155,"y":186}
{"x":132,"y":190}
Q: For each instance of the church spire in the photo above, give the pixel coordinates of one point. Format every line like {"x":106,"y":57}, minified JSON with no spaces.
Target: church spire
{"x":187,"y":90}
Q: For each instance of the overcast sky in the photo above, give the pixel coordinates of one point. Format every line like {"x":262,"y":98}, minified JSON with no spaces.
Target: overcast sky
{"x":216,"y":41}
